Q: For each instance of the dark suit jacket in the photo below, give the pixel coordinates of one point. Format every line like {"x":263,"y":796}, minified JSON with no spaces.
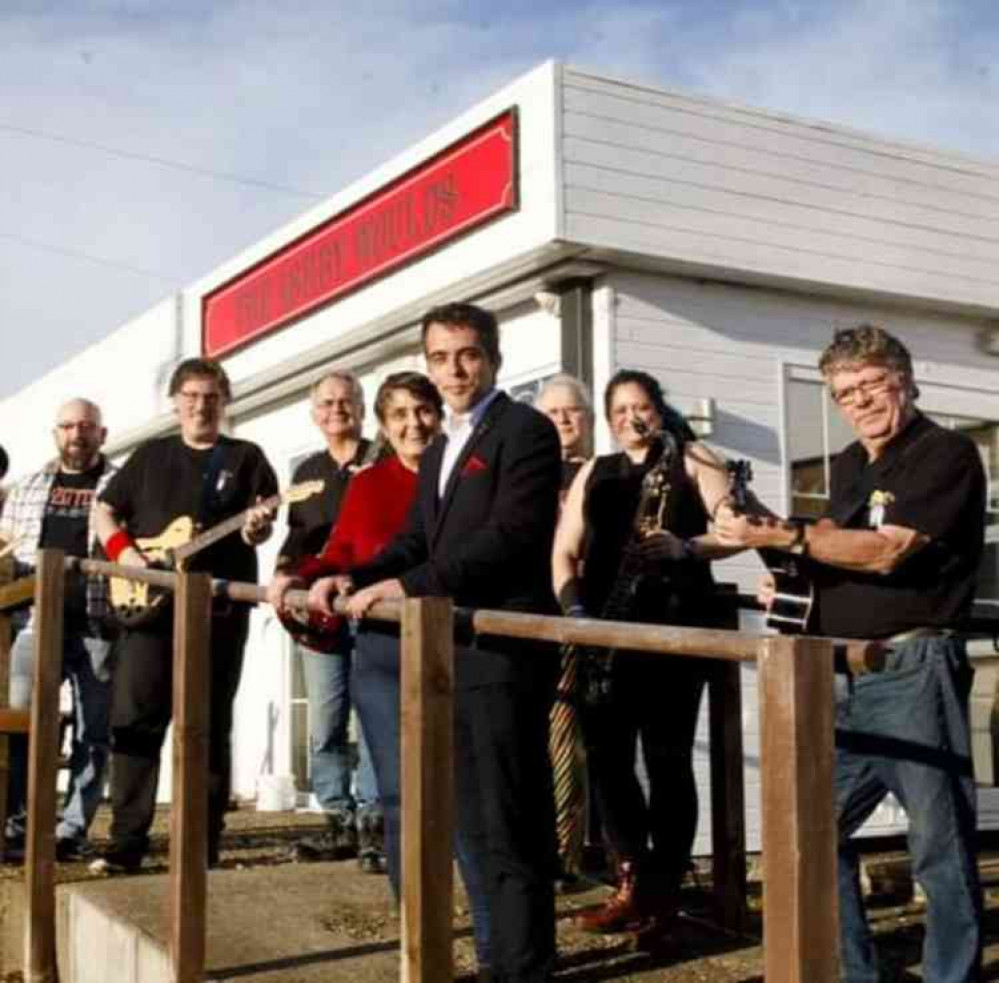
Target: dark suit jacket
{"x":487,"y":542}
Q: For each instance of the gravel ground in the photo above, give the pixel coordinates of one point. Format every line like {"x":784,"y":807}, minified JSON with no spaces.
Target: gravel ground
{"x":699,"y":952}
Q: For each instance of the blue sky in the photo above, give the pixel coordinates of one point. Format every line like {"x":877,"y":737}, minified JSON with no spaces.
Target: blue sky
{"x":141,"y":143}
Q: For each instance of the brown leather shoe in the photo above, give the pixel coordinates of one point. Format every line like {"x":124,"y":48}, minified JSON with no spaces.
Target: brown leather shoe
{"x":621,"y":912}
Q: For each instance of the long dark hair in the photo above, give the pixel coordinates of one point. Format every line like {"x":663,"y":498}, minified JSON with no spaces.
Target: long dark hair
{"x":673,"y":421}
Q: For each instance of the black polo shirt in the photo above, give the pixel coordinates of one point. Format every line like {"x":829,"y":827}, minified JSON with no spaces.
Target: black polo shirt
{"x":928,"y":479}
{"x":310,"y":521}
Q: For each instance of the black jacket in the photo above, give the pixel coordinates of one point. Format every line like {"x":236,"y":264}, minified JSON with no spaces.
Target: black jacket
{"x":487,"y":542}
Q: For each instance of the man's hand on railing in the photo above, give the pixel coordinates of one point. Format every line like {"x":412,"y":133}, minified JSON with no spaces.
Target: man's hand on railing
{"x":384,"y":590}
{"x":280,"y":584}
{"x":322,"y":592}
{"x":131,"y":556}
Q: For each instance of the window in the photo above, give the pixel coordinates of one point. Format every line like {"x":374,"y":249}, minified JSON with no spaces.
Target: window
{"x":816,"y":433}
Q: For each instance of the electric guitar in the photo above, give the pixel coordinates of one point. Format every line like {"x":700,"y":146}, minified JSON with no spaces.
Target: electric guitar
{"x":794,"y":594}
{"x":135,"y":603}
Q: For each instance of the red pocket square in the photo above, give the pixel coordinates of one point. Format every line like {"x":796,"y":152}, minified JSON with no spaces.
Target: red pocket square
{"x":473,"y":465}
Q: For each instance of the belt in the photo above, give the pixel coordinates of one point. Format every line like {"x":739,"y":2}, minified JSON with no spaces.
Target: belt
{"x":913,"y":633}
{"x":863,"y":658}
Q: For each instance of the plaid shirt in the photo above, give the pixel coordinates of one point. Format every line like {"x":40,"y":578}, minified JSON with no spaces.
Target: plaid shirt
{"x":22,"y":518}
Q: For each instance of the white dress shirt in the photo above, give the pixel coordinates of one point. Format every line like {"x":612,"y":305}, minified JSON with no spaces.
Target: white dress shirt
{"x":457,"y":429}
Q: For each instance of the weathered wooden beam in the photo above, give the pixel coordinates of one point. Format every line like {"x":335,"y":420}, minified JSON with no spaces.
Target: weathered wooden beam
{"x":427,"y":790}
{"x":728,"y":796}
{"x":43,"y":764}
{"x":12,"y":722}
{"x":189,"y":815}
{"x":17,"y":594}
{"x":797,"y":760}
{"x":6,"y":725}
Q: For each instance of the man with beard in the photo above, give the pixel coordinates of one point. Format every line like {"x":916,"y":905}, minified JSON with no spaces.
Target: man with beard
{"x":51,"y":510}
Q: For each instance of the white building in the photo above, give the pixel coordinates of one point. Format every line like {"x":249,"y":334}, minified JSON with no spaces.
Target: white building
{"x":608,"y":224}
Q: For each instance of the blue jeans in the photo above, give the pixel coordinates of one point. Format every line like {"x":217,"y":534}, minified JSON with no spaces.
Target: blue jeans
{"x":86,"y":664}
{"x":905,"y":731}
{"x":327,"y":684}
{"x":375,"y":687}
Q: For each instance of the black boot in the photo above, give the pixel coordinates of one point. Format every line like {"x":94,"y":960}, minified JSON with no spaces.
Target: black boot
{"x":371,"y":840}
{"x":339,"y":842}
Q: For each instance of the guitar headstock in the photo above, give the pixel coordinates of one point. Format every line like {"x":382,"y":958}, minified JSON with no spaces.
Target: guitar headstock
{"x":740,"y":474}
{"x":304,"y":490}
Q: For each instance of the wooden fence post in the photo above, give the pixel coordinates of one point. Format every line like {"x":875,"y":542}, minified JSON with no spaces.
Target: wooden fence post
{"x":728,"y":795}
{"x":427,"y":790}
{"x":189,"y":811}
{"x":43,"y":763}
{"x":6,"y":576}
{"x":797,"y":761}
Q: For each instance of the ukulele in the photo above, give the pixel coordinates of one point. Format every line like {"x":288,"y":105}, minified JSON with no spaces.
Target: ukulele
{"x":135,"y":603}
{"x":794,"y":593}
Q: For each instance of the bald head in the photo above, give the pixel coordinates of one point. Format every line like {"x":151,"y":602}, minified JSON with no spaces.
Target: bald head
{"x":79,"y":434}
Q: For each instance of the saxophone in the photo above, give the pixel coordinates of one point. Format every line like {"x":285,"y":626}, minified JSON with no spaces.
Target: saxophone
{"x":651,"y":516}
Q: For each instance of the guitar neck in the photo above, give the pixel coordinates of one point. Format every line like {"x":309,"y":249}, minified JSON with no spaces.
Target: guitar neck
{"x":223,"y":529}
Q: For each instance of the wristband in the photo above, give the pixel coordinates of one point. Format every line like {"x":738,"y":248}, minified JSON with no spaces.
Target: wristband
{"x":576,"y":611}
{"x":570,"y":597}
{"x":117,"y":545}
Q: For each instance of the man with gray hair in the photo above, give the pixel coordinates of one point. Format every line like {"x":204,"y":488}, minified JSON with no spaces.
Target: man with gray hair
{"x":896,"y":559}
{"x":337,"y":409}
{"x":51,"y":509}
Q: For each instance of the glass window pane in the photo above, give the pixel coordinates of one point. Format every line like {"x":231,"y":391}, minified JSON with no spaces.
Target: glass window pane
{"x":804,"y":440}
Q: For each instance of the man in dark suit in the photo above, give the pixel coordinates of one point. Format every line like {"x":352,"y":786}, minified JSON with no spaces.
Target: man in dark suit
{"x":481,"y":532}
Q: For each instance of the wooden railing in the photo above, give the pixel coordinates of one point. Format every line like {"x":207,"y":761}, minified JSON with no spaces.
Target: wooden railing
{"x":795,"y":678}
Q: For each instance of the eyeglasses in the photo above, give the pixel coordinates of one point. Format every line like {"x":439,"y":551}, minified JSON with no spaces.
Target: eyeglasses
{"x":866,"y":388}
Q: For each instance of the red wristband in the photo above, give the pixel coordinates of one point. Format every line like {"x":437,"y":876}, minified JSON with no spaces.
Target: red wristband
{"x":117,"y":545}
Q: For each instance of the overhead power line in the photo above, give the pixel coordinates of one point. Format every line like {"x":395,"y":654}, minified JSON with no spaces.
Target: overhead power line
{"x":175,"y":165}
{"x":88,"y":257}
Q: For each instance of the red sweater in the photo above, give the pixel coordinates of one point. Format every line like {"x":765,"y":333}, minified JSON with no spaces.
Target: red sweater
{"x":374,"y":510}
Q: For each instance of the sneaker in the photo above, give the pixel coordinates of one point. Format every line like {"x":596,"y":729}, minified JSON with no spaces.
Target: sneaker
{"x":73,"y":849}
{"x":115,"y":862}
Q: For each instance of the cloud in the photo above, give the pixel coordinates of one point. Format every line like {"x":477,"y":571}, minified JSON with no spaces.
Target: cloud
{"x":313,"y":95}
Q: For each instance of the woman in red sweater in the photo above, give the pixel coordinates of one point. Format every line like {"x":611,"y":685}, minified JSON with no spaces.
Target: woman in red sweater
{"x":409,"y":412}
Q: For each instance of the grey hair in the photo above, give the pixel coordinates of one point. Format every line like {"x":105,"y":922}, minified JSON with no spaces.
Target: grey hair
{"x":341,"y":375}
{"x":565,"y":381}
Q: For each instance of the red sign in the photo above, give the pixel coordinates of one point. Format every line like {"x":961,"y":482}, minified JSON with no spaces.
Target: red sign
{"x":462,"y":187}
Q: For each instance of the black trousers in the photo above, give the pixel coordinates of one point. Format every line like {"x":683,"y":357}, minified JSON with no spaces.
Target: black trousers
{"x":655,"y":699}
{"x":506,"y":815}
{"x":141,"y":708}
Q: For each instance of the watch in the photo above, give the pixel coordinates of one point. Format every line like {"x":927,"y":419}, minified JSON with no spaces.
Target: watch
{"x":799,"y":545}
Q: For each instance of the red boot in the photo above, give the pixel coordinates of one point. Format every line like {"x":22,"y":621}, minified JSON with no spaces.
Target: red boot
{"x":622,"y":912}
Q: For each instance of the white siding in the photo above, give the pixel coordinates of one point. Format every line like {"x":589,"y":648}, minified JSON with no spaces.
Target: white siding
{"x":739,"y":192}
